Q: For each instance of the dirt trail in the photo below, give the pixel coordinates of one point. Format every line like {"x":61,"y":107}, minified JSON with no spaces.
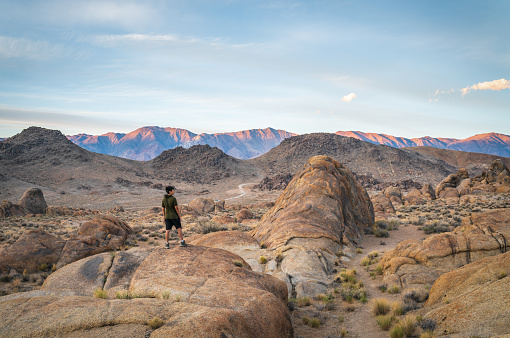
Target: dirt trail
{"x":358,"y":318}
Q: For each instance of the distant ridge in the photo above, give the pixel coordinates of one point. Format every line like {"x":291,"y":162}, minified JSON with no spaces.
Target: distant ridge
{"x":146,"y":143}
{"x":489,"y":143}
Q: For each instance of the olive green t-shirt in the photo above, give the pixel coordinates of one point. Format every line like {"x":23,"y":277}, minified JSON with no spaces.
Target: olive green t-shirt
{"x":169,"y":203}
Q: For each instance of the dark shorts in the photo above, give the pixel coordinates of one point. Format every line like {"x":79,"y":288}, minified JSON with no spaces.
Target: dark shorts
{"x":172,"y":222}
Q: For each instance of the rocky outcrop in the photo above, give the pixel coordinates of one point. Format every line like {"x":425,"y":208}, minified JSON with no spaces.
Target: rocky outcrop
{"x":382,"y":204}
{"x":37,"y":247}
{"x":418,"y":263}
{"x":447,"y":187}
{"x":33,"y":201}
{"x":322,"y":208}
{"x":9,"y":209}
{"x":473,"y":300}
{"x":417,"y":197}
{"x":394,"y":194}
{"x":194,"y":291}
{"x":494,"y":180}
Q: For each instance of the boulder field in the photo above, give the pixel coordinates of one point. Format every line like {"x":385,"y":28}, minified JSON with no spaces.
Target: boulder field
{"x":37,"y":247}
{"x":182,"y":292}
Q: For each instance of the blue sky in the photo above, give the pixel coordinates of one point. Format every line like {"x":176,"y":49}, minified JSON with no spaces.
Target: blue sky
{"x":405,"y":68}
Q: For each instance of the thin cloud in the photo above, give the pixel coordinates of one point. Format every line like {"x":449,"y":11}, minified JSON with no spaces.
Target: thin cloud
{"x":349,"y":98}
{"x":489,"y":85}
{"x":30,"y":49}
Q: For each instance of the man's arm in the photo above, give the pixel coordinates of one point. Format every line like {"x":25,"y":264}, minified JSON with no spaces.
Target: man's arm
{"x":177,"y":208}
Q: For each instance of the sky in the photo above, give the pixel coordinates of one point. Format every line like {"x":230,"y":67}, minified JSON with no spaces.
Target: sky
{"x":404,"y":68}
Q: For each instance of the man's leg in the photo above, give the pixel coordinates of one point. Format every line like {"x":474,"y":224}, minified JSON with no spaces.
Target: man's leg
{"x":167,"y":233}
{"x":179,"y":232}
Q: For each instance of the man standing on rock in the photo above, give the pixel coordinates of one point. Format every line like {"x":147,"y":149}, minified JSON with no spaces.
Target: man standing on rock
{"x":172,"y":215}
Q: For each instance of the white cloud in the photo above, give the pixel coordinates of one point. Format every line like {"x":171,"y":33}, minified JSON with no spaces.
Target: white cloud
{"x":349,"y":98}
{"x":489,"y":85}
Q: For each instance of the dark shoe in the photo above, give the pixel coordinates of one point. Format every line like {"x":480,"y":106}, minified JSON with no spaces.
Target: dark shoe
{"x":183,"y":243}
{"x":167,"y":245}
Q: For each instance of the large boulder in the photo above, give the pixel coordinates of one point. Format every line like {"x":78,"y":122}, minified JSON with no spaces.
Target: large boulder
{"x":420,"y":263}
{"x":33,"y":201}
{"x":451,"y":182}
{"x":202,"y":205}
{"x":195,"y":292}
{"x":394,"y":194}
{"x":322,"y":208}
{"x":473,"y":300}
{"x":33,"y":249}
{"x":37,"y":247}
{"x":382,"y":204}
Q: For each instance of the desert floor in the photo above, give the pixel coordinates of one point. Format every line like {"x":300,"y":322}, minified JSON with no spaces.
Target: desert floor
{"x":337,"y":317}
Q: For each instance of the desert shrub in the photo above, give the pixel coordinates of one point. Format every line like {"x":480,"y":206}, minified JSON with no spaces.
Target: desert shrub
{"x":384,"y":321}
{"x":303,"y":301}
{"x":365,"y":261}
{"x":394,"y":289}
{"x":238,"y":263}
{"x":435,"y":228}
{"x":155,"y":323}
{"x":380,"y":306}
{"x":100,"y":293}
{"x":380,"y":224}
{"x":315,"y":323}
{"x":341,"y":319}
{"x":398,"y":308}
{"x":428,"y":325}
{"x":397,"y":331}
{"x":378,"y":270}
{"x":381,"y":233}
{"x":359,"y":250}
{"x":373,"y":254}
{"x":205,"y":227}
{"x":263,"y":260}
{"x":305,"y":320}
{"x":408,"y":324}
{"x":42,"y":267}
{"x":415,"y":294}
{"x":5,"y":278}
{"x":502,"y":274}
{"x":122,"y":295}
{"x":409,"y":305}
{"x":428,"y":334}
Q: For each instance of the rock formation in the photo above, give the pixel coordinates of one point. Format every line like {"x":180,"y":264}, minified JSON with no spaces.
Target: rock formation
{"x":193,"y":291}
{"x":322,"y":208}
{"x":416,"y":197}
{"x":37,"y":247}
{"x":382,"y":204}
{"x":473,"y":300}
{"x":419,"y":263}
{"x":394,"y":194}
{"x":447,"y":187}
{"x":33,"y":201}
{"x":202,"y":205}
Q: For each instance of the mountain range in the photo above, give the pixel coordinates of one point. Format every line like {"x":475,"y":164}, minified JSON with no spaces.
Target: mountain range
{"x":489,"y":143}
{"x":48,"y":159}
{"x":146,"y":143}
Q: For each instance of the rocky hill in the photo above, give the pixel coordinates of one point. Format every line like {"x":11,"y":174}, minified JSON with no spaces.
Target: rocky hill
{"x":146,"y":143}
{"x":489,"y":143}
{"x":44,"y":157}
{"x":382,"y":163}
{"x":199,"y":164}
